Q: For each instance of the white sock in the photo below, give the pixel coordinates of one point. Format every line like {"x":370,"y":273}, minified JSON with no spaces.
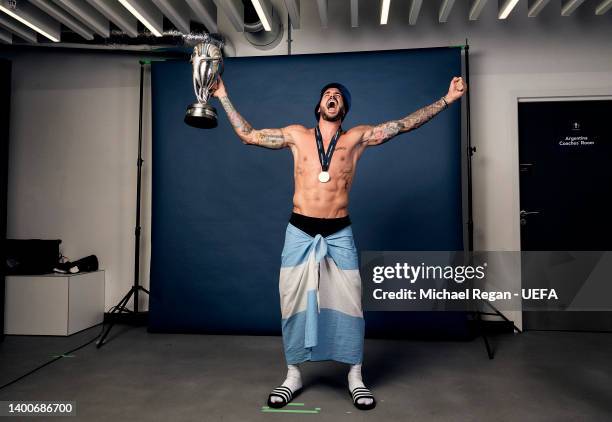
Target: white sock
{"x":354,"y":381}
{"x":293,"y":381}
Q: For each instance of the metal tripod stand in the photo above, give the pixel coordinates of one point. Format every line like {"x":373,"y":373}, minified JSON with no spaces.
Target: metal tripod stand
{"x":120,"y":312}
{"x":470,"y":223}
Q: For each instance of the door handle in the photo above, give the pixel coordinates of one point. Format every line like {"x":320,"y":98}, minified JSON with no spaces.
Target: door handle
{"x":525,"y":213}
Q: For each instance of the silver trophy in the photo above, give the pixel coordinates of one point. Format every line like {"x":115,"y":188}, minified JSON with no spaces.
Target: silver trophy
{"x":207,"y":62}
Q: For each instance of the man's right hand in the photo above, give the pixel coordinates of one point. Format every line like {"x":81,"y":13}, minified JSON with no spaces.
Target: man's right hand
{"x":220,"y":90}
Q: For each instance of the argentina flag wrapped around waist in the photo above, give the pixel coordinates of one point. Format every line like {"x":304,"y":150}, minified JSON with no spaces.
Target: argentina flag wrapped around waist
{"x":320,"y":295}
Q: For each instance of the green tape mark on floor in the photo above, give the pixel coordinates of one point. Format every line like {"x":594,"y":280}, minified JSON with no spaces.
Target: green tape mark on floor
{"x":288,"y":411}
{"x":274,"y":410}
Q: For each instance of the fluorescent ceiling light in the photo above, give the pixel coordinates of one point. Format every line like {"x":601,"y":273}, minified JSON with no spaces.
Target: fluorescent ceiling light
{"x":18,"y":29}
{"x":476,"y":8}
{"x":141,"y":18}
{"x":568,"y":7}
{"x":415,"y":8}
{"x":603,"y":7}
{"x":506,"y":8}
{"x":259,"y":8}
{"x":445,"y":10}
{"x":28,"y":23}
{"x":384,"y":12}
{"x":354,"y":13}
{"x":322,"y":6}
{"x":536,"y":7}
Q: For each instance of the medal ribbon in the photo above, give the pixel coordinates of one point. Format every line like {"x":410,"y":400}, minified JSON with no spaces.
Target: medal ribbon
{"x":325,"y":157}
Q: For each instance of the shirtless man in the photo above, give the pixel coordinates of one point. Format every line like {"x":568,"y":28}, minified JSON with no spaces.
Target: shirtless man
{"x":323,"y":175}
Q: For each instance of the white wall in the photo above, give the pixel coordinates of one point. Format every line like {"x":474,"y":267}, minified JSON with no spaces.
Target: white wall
{"x":74,"y":121}
{"x":72,"y":159}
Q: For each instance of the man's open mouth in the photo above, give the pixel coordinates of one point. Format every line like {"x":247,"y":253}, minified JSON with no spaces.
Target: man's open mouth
{"x":331,"y":105}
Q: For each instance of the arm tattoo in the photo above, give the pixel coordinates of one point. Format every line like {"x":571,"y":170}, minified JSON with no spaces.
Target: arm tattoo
{"x":270,"y":138}
{"x":382,"y":133}
{"x":267,"y":138}
{"x":241,"y":126}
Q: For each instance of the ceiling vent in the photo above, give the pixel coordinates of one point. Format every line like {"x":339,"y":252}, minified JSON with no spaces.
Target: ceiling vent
{"x":254,"y":30}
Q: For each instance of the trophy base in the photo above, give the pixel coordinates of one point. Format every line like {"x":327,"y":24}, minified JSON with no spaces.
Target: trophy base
{"x":202,"y":116}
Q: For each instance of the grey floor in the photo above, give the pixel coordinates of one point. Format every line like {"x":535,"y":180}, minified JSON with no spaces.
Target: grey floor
{"x":536,"y":376}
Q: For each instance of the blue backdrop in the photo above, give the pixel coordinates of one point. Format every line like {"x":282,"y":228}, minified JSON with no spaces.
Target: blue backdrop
{"x":220,"y":208}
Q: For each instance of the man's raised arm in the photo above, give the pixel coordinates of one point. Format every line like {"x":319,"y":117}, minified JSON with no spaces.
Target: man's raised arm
{"x":379,"y":134}
{"x":267,"y":138}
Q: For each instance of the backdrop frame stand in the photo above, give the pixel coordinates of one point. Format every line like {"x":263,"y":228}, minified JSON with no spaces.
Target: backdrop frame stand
{"x":470,"y":151}
{"x":120,"y":312}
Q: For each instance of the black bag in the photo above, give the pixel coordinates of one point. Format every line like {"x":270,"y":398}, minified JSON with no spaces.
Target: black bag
{"x":31,"y":256}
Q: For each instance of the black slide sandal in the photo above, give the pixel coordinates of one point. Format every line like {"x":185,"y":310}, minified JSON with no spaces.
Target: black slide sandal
{"x":363,"y":393}
{"x":283,"y":393}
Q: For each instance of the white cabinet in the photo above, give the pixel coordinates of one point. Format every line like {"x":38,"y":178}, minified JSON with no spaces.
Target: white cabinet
{"x":53,"y":304}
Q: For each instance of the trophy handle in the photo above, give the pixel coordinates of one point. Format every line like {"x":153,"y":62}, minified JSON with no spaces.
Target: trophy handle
{"x":197,"y":81}
{"x":202,"y":67}
{"x":215,"y":85}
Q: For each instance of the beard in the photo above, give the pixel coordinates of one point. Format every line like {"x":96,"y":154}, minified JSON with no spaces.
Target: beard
{"x":338,"y":116}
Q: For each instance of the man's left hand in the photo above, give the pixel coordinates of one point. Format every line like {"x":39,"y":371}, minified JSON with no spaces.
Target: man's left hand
{"x":456,"y":89}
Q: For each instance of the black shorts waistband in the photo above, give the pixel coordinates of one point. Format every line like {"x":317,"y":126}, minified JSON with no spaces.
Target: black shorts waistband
{"x":322,"y":226}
